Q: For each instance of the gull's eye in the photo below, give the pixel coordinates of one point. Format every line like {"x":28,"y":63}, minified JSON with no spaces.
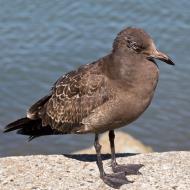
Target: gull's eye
{"x":132,"y":45}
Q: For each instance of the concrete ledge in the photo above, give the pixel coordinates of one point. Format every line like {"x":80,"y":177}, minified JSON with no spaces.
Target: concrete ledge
{"x":164,"y":171}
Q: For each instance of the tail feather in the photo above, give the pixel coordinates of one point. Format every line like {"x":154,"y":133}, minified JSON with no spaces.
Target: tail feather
{"x":31,"y":128}
{"x":34,"y":110}
{"x":16,"y":124}
{"x":32,"y":124}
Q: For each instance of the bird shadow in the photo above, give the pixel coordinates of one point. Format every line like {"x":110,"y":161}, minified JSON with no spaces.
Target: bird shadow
{"x":93,"y":158}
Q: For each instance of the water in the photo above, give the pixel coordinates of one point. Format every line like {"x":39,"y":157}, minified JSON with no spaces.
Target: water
{"x":41,"y":40}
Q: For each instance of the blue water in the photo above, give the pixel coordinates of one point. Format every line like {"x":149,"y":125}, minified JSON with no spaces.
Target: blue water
{"x":41,"y":40}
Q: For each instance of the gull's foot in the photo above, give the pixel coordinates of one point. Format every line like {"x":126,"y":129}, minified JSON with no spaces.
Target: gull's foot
{"x":116,"y":180}
{"x":129,"y":169}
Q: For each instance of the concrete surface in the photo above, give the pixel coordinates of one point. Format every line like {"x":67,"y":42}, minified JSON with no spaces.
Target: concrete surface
{"x":163,"y":171}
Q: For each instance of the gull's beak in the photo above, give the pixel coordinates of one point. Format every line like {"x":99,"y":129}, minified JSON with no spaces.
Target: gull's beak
{"x":161,"y":56}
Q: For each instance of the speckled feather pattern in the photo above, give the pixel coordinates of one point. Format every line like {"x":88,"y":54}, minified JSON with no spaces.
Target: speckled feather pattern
{"x":74,"y":96}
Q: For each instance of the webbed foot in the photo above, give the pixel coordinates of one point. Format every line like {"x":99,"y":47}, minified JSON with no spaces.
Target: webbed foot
{"x":116,"y":180}
{"x":129,"y":169}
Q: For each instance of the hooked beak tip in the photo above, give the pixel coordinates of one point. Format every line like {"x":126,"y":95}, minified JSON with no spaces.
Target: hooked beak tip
{"x":162,"y":57}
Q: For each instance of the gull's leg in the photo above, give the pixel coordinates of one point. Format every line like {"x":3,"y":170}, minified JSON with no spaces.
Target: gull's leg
{"x":130,"y":169}
{"x":114,"y":180}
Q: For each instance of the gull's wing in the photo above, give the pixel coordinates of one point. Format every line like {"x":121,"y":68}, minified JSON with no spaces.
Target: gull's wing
{"x":74,"y":97}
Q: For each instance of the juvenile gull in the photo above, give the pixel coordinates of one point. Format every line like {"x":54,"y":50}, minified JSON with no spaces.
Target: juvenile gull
{"x":102,"y":96}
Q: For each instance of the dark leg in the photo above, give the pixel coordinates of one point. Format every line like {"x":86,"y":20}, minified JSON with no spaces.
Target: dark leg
{"x":130,"y":169}
{"x":114,"y":180}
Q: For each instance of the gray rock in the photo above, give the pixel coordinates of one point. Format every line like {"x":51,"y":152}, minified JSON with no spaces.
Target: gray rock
{"x":164,"y":171}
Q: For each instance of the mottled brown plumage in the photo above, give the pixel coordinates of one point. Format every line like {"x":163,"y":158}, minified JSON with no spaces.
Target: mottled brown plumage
{"x":104,"y":95}
{"x":74,"y":96}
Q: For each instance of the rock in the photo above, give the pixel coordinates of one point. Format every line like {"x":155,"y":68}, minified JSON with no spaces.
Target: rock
{"x":163,"y":171}
{"x":123,"y":143}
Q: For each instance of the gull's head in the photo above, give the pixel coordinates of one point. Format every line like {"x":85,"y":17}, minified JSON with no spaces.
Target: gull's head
{"x":135,"y":41}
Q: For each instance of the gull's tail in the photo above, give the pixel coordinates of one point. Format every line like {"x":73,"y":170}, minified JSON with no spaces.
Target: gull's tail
{"x":29,"y":127}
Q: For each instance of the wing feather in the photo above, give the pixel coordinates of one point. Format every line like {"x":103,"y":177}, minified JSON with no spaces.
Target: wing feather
{"x":74,"y":97}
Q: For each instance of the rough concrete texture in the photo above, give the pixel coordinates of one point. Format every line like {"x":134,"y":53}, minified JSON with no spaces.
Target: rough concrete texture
{"x":164,"y":171}
{"x":124,"y":143}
